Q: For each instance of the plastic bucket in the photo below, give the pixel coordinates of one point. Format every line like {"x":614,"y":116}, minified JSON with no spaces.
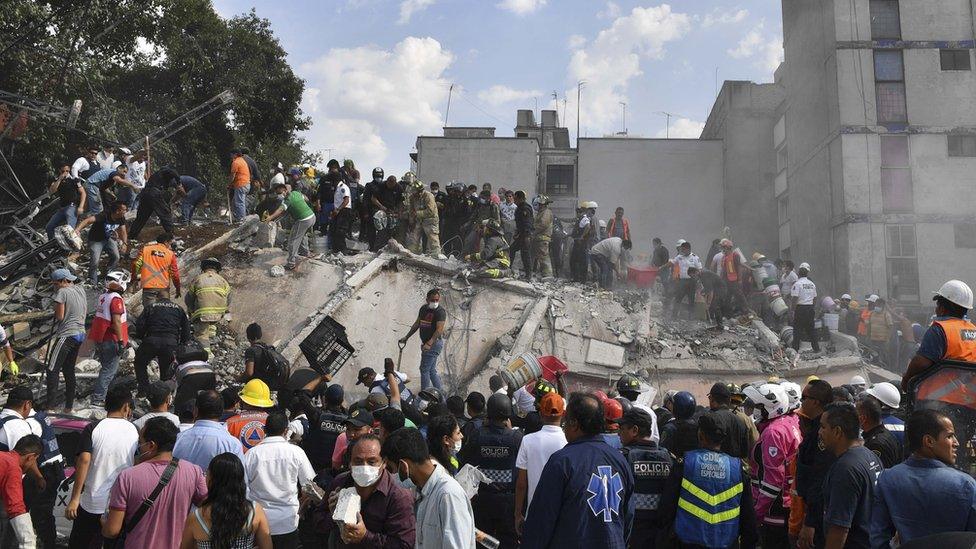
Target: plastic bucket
{"x":778,"y":306}
{"x":772,"y":292}
{"x":551,"y":366}
{"x":827,"y":303}
{"x":786,"y":335}
{"x":521,"y":370}
{"x":317,"y":244}
{"x":831,"y":321}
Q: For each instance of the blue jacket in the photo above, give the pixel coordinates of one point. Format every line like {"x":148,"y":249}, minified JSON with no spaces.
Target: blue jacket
{"x":571,"y":506}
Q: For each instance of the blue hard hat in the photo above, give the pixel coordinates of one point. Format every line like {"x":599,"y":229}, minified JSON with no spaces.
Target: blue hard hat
{"x":684,"y":405}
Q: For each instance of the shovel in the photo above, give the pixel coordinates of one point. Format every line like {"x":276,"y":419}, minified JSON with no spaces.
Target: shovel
{"x":401,"y":345}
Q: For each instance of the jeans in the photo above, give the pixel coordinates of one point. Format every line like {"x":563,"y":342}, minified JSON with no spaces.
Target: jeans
{"x":93,"y":202}
{"x":238,"y":206}
{"x":190,"y":201}
{"x":428,"y":366}
{"x":298,"y":239}
{"x":96,"y":247}
{"x":108,"y":356}
{"x":67,"y":215}
{"x":606,"y":271}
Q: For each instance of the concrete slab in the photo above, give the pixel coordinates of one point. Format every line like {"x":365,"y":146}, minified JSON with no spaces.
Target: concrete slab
{"x":605,"y":354}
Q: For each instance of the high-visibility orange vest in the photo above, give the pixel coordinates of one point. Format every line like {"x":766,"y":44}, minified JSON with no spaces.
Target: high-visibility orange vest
{"x":862,"y":326}
{"x":729,"y":266}
{"x":960,"y":338}
{"x":248,"y":427}
{"x":675,"y":271}
{"x":156,"y":261}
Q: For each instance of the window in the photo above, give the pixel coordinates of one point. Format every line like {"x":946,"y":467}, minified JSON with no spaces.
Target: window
{"x":889,"y":78}
{"x":885,"y":21}
{"x":559,"y":179}
{"x":955,"y":60}
{"x":902,"y":263}
{"x":896,"y":175}
{"x":962,"y":145}
{"x":781,"y":159}
{"x":965,"y":235}
{"x":784,"y":209}
{"x":521,"y":134}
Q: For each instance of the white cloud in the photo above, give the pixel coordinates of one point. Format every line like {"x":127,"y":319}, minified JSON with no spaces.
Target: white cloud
{"x":683,"y":128}
{"x":612,"y":59}
{"x":575,"y":41}
{"x":766,"y":50}
{"x":719,"y":17}
{"x":354,"y":94}
{"x":612,"y":11}
{"x":500,"y":95}
{"x":772,"y":54}
{"x":522,"y":7}
{"x":410,"y":7}
{"x":749,"y":45}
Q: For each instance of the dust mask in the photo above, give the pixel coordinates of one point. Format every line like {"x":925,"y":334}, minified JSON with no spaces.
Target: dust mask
{"x":365,"y":475}
{"x":434,"y":304}
{"x":457,"y":446}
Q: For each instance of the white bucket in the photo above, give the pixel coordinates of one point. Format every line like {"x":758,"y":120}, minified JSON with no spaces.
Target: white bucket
{"x":778,"y":305}
{"x":521,"y":370}
{"x":317,"y":244}
{"x":831,"y":321}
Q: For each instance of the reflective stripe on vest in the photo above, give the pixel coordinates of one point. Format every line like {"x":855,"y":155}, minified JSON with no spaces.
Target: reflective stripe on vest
{"x":156,"y":260}
{"x":960,"y":337}
{"x":728,"y":265}
{"x":710,"y":499}
{"x":103,"y":309}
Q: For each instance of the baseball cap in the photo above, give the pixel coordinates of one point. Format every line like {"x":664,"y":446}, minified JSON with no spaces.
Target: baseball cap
{"x":638,"y":418}
{"x":360,"y":418}
{"x":872,"y":298}
{"x":720,"y":391}
{"x":846,"y":296}
{"x":499,"y":406}
{"x":363,"y":372}
{"x":377,"y":401}
{"x":63,"y":274}
{"x":552,"y":405}
{"x":334,"y":394}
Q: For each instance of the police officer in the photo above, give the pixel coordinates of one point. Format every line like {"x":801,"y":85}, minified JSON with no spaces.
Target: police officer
{"x":652,"y":468}
{"x":324,"y":427}
{"x":628,"y":386}
{"x":162,"y":327}
{"x":493,"y":449}
{"x":707,"y":497}
{"x":681,"y":434}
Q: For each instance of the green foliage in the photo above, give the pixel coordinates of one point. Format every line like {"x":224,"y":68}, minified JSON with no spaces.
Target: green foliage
{"x":61,"y":50}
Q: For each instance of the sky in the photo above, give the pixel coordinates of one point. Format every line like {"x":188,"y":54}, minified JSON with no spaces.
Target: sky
{"x":378,"y":73}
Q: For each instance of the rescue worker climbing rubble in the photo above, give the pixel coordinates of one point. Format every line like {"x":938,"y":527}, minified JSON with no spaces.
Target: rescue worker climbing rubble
{"x":423,"y":221}
{"x":542,"y":236}
{"x":207,"y":300}
{"x":157,"y":268}
{"x":492,"y":260}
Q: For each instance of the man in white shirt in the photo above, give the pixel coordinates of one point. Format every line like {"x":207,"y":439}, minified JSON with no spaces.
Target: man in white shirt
{"x":137,"y":177}
{"x":274,"y":469}
{"x":787,"y":280}
{"x":445,"y":519}
{"x":804,"y":292}
{"x":85,"y":164}
{"x":683,"y":286}
{"x":160,"y":398}
{"x":535,"y":451}
{"x":105,"y":158}
{"x":607,"y":254}
{"x":341,"y":217}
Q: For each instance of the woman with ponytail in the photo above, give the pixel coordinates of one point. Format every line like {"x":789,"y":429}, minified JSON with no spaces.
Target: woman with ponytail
{"x":226,"y":520}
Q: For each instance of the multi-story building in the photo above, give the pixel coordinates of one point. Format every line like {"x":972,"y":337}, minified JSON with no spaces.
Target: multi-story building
{"x":878,"y":139}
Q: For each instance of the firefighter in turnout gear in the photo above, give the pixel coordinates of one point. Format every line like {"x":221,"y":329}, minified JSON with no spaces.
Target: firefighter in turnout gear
{"x":493,"y":449}
{"x":707,"y":497}
{"x":207,"y":300}
{"x":423,"y":220}
{"x":156,"y":267}
{"x":542,"y":236}
{"x":651,"y":465}
{"x":492,"y":260}
{"x":779,"y":440}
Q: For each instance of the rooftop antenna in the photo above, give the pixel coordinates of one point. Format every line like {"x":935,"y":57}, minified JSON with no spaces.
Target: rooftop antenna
{"x":447,"y":113}
{"x":579,"y":93}
{"x":624,"y":105}
{"x":667,"y":127}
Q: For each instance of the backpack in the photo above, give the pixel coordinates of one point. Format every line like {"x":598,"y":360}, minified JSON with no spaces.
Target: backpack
{"x":274,"y":368}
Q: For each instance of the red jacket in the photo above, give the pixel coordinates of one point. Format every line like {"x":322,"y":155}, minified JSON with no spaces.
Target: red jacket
{"x":11,"y":484}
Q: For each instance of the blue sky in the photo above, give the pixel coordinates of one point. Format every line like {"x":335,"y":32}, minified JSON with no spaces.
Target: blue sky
{"x":378,"y":72}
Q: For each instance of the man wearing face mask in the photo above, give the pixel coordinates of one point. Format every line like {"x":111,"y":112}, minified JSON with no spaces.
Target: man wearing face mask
{"x":430,"y":321}
{"x":386,"y":509}
{"x":444,"y":518}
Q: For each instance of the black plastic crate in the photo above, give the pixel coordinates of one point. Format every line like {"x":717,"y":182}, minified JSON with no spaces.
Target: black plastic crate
{"x":327,"y":348}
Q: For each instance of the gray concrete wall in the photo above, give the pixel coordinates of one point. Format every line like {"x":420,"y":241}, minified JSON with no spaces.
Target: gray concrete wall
{"x":670,"y":188}
{"x":512,"y":163}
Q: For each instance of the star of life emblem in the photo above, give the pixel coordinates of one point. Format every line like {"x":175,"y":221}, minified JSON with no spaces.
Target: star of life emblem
{"x":605,"y":486}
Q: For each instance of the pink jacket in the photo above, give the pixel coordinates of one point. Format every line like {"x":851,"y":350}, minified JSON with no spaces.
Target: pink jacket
{"x":779,"y":440}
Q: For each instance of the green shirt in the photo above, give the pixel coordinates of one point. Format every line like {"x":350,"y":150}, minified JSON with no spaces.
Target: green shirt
{"x":297,"y":207}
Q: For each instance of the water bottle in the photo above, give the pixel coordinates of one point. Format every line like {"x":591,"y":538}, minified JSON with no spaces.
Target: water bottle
{"x":485,"y":540}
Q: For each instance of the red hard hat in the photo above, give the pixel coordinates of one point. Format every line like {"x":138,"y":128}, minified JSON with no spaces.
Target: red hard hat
{"x":612,"y":411}
{"x":600,"y":395}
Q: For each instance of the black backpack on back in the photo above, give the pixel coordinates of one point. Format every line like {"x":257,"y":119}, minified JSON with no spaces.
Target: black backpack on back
{"x":274,"y":368}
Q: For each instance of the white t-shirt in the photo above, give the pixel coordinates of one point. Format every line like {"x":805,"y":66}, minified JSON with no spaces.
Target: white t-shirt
{"x":112,"y":443}
{"x":137,"y":174}
{"x":80,"y":165}
{"x":535,"y":451}
{"x":105,"y":160}
{"x":685,"y":261}
{"x":141,"y":422}
{"x":786,"y":283}
{"x":610,"y":248}
{"x":342,"y":191}
{"x":805,"y":291}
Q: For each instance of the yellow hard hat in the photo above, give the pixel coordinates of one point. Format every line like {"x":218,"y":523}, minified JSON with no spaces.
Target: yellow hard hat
{"x":256,"y":393}
{"x":812,"y":377}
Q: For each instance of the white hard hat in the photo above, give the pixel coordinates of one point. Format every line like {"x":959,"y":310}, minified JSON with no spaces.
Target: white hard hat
{"x":858,"y":380}
{"x":681,"y":242}
{"x":603,"y":224}
{"x":957,"y":292}
{"x":887,"y":393}
{"x":805,"y":265}
{"x":847,"y":297}
{"x":793,"y":392}
{"x":122,"y":278}
{"x":770,"y":397}
{"x":872,"y":298}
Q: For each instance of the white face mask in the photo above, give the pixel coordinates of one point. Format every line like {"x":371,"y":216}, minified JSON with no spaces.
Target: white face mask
{"x":457,"y":446}
{"x":434,"y":304}
{"x":365,"y":475}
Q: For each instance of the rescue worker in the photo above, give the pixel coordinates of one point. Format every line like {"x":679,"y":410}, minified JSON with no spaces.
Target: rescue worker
{"x":162,"y":328}
{"x":729,"y":263}
{"x":683,"y":285}
{"x":738,"y":400}
{"x":612,"y":412}
{"x":876,"y":437}
{"x":951,"y":336}
{"x":812,"y":463}
{"x":706,"y":498}
{"x":386,"y":200}
{"x":890,"y":398}
{"x":680,"y":435}
{"x":155,"y":199}
{"x":457,"y":211}
{"x":324,"y":427}
{"x":651,"y":466}
{"x":804,"y":292}
{"x":629,"y":387}
{"x":579,"y":261}
{"x":109,"y":332}
{"x":492,"y":260}
{"x":157,"y":268}
{"x":522,"y":240}
{"x":367,"y":228}
{"x":779,"y":440}
{"x":248,"y":424}
{"x":424,"y":220}
{"x":493,"y":449}
{"x":542,"y":236}
{"x":207,"y":300}
{"x":862,"y":324}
